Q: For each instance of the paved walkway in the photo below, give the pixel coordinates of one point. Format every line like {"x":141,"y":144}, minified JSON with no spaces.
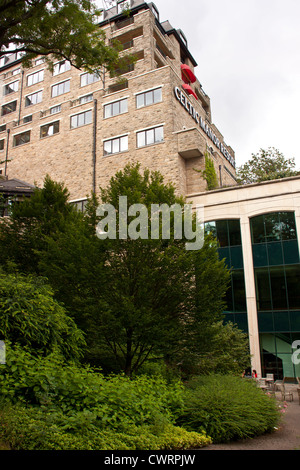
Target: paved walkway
{"x":287,"y":437}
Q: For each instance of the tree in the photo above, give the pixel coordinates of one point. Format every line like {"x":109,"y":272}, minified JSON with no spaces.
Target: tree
{"x":56,"y":29}
{"x":266,"y":165}
{"x":32,"y":318}
{"x":46,"y":213}
{"x":137,"y":299}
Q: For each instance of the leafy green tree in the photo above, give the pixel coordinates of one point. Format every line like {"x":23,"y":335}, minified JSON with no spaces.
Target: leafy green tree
{"x":266,"y":165}
{"x":46,"y":213}
{"x":137,"y":299}
{"x":56,"y":29}
{"x":32,"y":318}
{"x":209,"y":174}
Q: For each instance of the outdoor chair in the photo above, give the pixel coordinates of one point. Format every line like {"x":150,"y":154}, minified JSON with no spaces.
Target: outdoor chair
{"x":284,"y":394}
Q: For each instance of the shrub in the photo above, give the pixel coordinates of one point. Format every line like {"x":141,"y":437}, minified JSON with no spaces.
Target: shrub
{"x":32,"y":428}
{"x":227,"y":408}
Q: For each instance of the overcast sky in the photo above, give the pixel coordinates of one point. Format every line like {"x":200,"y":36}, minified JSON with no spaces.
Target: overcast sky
{"x":248,"y":55}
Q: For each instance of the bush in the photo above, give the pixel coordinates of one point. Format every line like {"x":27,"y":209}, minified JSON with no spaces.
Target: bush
{"x":227,"y":408}
{"x":34,"y":428}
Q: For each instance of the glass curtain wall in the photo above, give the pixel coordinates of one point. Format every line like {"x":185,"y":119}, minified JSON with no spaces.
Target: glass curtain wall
{"x":228,"y":234}
{"x":277,"y":280}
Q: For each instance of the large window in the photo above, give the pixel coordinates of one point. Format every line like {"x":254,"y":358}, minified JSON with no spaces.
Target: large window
{"x":60,"y":88}
{"x":34,"y":98}
{"x":149,"y":97}
{"x":8,"y":108}
{"x":81,"y":119}
{"x":35,"y":77}
{"x":49,"y":129}
{"x":88,"y":78}
{"x":21,"y":139}
{"x":61,"y":67}
{"x":11,"y":88}
{"x":115,"y":108}
{"x":116,"y":145}
{"x":150,"y":136}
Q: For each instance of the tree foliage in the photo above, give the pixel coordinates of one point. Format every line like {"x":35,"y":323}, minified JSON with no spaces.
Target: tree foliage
{"x":56,"y":29}
{"x":266,"y":165}
{"x":30,"y":317}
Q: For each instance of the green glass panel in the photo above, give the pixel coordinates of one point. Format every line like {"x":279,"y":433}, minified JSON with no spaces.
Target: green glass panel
{"x":222,"y":232}
{"x":278,"y":288}
{"x":234,"y":232}
{"x":281,"y":321}
{"x":275,"y":254}
{"x":295,"y":321}
{"x":290,"y":252}
{"x":283,"y":343}
{"x":263,"y":292}
{"x":224,"y":254}
{"x":272,"y":227}
{"x":260,"y":257}
{"x":288,"y":226}
{"x":293,"y":285}
{"x":257,"y":229}
{"x":267,"y":343}
{"x":236,"y":255}
{"x":265,"y":321}
{"x":239,"y":294}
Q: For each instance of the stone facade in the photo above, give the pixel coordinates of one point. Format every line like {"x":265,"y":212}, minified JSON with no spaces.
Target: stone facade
{"x":75,"y":154}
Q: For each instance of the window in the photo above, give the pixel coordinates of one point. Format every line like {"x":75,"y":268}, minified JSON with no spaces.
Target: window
{"x":3,"y":128}
{"x":150,"y":136}
{"x":61,"y":67}
{"x":81,"y":119}
{"x":40,"y":61}
{"x":49,"y":129}
{"x":21,"y":139}
{"x":35,"y":77}
{"x":123,"y":5}
{"x":60,"y":88}
{"x":8,"y":108}
{"x":117,"y":145}
{"x":11,"y":88}
{"x":86,"y":98}
{"x":2,"y":144}
{"x":27,"y":119}
{"x":34,"y":98}
{"x":149,"y":97}
{"x":118,"y":107}
{"x":55,"y":109}
{"x":88,"y":78}
{"x":16,"y":71}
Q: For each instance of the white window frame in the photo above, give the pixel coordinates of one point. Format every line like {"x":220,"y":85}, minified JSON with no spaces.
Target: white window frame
{"x":115,"y":107}
{"x":87,"y":112}
{"x":38,"y":93}
{"x":35,"y":77}
{"x":59,"y":84}
{"x":86,"y":98}
{"x":147,"y":133}
{"x":115,"y":145}
{"x":90,"y":78}
{"x":148,"y":93}
{"x":55,"y":109}
{"x":50,"y":124}
{"x":15,"y":87}
{"x":61,"y":67}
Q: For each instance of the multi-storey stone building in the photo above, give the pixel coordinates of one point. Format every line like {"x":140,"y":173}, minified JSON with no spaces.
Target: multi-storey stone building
{"x":81,"y":128}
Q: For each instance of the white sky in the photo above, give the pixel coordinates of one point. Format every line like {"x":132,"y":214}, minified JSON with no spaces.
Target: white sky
{"x":248,"y":55}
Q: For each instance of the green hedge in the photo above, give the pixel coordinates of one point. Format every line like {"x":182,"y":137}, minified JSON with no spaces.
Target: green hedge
{"x":228,"y":408}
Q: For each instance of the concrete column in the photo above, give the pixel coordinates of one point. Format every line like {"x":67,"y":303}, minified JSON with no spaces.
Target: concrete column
{"x":250,"y":295}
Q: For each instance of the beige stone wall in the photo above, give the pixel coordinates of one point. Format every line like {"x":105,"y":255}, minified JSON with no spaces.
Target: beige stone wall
{"x":68,"y":155}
